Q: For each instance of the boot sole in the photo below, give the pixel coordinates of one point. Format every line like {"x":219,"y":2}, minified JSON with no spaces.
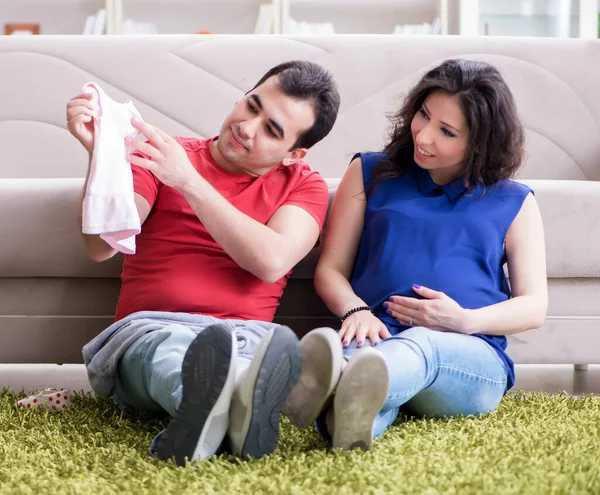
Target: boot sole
{"x":321,"y":368}
{"x":208,"y":377}
{"x":276,"y":372}
{"x":359,"y":397}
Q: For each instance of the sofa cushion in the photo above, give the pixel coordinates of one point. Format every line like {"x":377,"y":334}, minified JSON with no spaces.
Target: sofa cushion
{"x":571,"y":222}
{"x":39,"y":222}
{"x":572,"y":226}
{"x":40,"y":231}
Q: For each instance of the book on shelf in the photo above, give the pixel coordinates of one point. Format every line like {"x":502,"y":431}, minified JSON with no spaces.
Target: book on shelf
{"x":130,"y":26}
{"x":435,"y":27}
{"x":88,"y":27}
{"x":95,"y":23}
{"x":301,"y":27}
{"x":265,"y":20}
{"x":100,"y":22}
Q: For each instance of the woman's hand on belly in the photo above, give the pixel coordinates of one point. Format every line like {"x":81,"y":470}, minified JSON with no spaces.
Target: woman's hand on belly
{"x":363,"y":325}
{"x":436,"y":312}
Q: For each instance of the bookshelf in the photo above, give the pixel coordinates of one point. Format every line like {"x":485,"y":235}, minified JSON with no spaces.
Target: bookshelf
{"x":189,"y":16}
{"x":543,"y":18}
{"x":365,"y":16}
{"x":556,"y":18}
{"x":136,"y":16}
{"x":52,"y":16}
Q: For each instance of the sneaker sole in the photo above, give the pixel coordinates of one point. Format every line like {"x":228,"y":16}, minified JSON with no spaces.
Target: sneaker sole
{"x":322,"y":357}
{"x":208,"y":377}
{"x":276,"y":372}
{"x":359,"y":397}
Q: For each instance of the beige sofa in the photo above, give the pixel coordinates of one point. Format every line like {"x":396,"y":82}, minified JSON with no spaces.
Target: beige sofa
{"x":53,"y":300}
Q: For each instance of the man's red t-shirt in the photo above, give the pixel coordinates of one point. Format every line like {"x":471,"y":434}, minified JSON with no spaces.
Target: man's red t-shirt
{"x":178,"y":266}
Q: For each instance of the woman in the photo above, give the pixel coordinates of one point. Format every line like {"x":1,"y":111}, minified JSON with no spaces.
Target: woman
{"x":413,"y":259}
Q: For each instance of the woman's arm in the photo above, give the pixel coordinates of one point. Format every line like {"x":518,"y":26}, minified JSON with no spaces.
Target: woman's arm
{"x":340,"y":247}
{"x":526,"y":259}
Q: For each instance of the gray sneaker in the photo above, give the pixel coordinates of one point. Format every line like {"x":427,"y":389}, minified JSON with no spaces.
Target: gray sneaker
{"x":257,"y":400}
{"x":360,"y":395}
{"x":199,"y":425}
{"x":322,"y":357}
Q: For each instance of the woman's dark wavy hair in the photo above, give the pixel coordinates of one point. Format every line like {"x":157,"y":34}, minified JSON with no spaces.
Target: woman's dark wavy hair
{"x":495,"y":147}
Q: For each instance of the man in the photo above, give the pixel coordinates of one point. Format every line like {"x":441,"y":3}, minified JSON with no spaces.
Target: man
{"x":224,"y":221}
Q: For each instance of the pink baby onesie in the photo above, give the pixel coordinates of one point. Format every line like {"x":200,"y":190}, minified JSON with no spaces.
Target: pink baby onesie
{"x":109,"y":206}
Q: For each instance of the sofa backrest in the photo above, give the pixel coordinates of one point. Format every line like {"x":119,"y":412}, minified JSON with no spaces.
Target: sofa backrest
{"x":187,"y":85}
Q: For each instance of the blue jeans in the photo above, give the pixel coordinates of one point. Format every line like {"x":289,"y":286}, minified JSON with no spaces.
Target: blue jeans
{"x":438,"y":374}
{"x":149,"y":373}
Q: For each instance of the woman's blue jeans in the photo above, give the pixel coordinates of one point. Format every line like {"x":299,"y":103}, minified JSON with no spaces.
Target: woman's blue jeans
{"x":438,"y":374}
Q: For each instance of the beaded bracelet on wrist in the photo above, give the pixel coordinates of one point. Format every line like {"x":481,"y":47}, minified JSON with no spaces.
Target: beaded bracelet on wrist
{"x":355,"y":310}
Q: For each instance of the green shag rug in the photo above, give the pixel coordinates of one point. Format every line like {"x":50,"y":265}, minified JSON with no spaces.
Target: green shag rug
{"x":532,"y":444}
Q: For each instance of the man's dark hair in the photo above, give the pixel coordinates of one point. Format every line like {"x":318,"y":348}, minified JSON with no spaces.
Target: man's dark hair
{"x":307,"y":81}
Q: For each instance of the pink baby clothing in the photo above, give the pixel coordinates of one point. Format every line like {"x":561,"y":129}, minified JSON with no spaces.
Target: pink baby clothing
{"x":109,"y":205}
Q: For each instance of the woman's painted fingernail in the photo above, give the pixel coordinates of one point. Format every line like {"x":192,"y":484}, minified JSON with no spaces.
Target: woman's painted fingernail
{"x":345,"y":342}
{"x":375,"y":343}
{"x":385,"y":305}
{"x":416,"y":286}
{"x":389,"y":312}
{"x":359,"y":342}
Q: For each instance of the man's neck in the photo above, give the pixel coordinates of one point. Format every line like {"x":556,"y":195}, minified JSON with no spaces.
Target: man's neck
{"x":223,"y":163}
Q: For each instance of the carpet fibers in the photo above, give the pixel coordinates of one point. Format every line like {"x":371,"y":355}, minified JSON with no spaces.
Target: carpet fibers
{"x":533,"y":443}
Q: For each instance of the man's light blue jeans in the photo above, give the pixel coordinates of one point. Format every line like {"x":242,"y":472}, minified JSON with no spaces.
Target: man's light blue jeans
{"x":149,"y":373}
{"x":438,"y":374}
